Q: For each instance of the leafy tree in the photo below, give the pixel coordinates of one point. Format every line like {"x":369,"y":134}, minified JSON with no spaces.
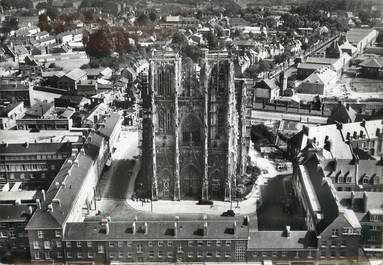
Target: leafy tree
{"x":52,"y":12}
{"x":142,"y":19}
{"x":192,"y":52}
{"x":42,"y":5}
{"x":153,"y":16}
{"x":179,"y":39}
{"x":100,"y":43}
{"x":43,"y":23}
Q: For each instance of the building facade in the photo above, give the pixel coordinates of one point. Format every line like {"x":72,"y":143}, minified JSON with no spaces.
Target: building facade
{"x":193,"y":128}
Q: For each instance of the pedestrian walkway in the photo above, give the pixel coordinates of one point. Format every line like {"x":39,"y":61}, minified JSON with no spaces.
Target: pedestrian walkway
{"x":246,"y":207}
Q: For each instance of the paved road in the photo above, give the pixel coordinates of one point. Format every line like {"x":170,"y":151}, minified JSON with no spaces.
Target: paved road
{"x":115,"y":181}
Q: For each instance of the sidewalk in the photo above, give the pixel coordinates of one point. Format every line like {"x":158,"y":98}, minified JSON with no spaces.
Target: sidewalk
{"x":246,"y":207}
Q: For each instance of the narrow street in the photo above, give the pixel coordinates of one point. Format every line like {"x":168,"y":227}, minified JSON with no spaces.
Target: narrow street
{"x":115,"y":180}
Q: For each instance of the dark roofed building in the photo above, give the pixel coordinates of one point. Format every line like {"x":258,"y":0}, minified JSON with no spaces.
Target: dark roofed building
{"x":33,"y":164}
{"x":372,"y":68}
{"x":342,"y":113}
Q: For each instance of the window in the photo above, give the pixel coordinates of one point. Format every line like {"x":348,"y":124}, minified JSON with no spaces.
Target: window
{"x":139,"y":248}
{"x":40,"y":234}
{"x":58,"y":233}
{"x":90,"y":255}
{"x":199,"y":254}
{"x":343,"y":244}
{"x":151,"y":254}
{"x":160,"y":243}
{"x":68,"y":244}
{"x":37,"y":255}
{"x":190,"y":243}
{"x":59,"y":254}
{"x":120,"y":255}
{"x":69,"y":254}
{"x":111,"y":244}
{"x":111,"y":255}
{"x":79,"y":254}
{"x":150,"y":244}
{"x":58,"y":244}
{"x":100,"y":249}
{"x":128,"y":254}
{"x":218,"y":254}
{"x":335,"y":232}
{"x":218,"y":243}
{"x":284,"y":254}
{"x":36,"y":245}
{"x":227,"y":255}
{"x":209,"y":254}
{"x":324,"y":244}
{"x":170,"y":254}
{"x":89,"y":244}
{"x":228,"y":243}
{"x":179,"y":249}
{"x":129,"y":244}
{"x":170,"y":243}
{"x":160,"y":253}
{"x":208,"y":243}
{"x":43,"y":175}
{"x":12,"y":234}
{"x":47,"y":244}
{"x":200,"y":243}
{"x":78,"y":244}
{"x":119,"y":244}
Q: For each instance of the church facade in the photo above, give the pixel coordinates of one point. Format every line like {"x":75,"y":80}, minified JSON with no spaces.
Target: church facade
{"x":191,"y":133}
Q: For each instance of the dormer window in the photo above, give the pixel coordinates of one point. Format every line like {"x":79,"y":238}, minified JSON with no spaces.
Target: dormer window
{"x":366,"y":179}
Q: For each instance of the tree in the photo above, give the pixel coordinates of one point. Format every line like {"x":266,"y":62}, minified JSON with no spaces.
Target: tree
{"x":379,"y":39}
{"x":52,"y":12}
{"x":179,"y":40}
{"x":142,"y":19}
{"x":43,"y":23}
{"x":42,"y":5}
{"x":192,"y":52}
{"x":100,"y":43}
{"x":153,"y":16}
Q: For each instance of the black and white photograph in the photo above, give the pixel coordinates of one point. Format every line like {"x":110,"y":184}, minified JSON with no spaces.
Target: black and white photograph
{"x":191,"y":132}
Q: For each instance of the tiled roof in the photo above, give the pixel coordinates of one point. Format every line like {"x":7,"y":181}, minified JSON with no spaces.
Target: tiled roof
{"x":110,"y":124}
{"x":14,"y":213}
{"x":76,"y":74}
{"x":269,"y":240}
{"x":15,"y":149}
{"x":373,"y":63}
{"x":194,"y":229}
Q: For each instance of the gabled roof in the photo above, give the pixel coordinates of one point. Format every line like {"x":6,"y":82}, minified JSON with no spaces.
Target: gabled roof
{"x":76,"y":74}
{"x":343,"y":114}
{"x":373,"y":63}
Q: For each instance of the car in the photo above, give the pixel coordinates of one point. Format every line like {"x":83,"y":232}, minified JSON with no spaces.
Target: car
{"x":228,"y":213}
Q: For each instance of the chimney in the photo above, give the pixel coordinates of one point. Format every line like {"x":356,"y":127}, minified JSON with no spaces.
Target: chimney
{"x":27,"y":145}
{"x":107,"y":228}
{"x":56,"y":202}
{"x":38,"y":204}
{"x":43,"y":195}
{"x":234,"y":227}
{"x":175,"y":228}
{"x":134,"y":228}
{"x":365,"y":198}
{"x":50,"y":208}
{"x":287,"y":231}
{"x":18,"y":201}
{"x":352,"y":199}
{"x":146,"y":228}
{"x":30,"y":210}
{"x":205,"y":229}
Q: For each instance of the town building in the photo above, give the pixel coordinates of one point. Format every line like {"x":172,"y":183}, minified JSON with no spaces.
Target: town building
{"x":32,"y":164}
{"x":372,"y":68}
{"x":16,"y":91}
{"x":9,"y":114}
{"x":319,"y":82}
{"x":361,"y":38}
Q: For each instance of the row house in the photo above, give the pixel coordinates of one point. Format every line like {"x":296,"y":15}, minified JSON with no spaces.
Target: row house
{"x":16,"y":208}
{"x":33,"y":164}
{"x":9,"y":115}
